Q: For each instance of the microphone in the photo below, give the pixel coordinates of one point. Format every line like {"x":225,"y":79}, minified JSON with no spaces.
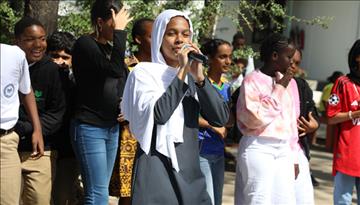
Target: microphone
{"x":198,"y":57}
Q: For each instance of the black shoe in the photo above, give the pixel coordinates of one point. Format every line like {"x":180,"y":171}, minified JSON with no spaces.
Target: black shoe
{"x":314,"y":181}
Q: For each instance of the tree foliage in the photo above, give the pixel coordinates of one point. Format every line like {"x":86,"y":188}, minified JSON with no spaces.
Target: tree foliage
{"x":251,"y":14}
{"x":77,"y":23}
{"x":204,"y":15}
{"x":8,"y":18}
{"x":246,"y":13}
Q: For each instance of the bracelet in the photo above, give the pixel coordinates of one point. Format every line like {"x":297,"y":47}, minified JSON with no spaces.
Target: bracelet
{"x":350,"y":115}
{"x":200,"y":84}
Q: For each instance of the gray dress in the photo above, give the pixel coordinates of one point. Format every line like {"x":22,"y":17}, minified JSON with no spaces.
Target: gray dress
{"x":155,"y":181}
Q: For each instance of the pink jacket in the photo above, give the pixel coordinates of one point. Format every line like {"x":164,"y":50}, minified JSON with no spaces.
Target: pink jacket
{"x":267,"y":109}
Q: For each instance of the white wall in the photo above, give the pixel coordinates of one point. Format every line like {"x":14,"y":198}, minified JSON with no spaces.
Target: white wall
{"x":225,"y":29}
{"x":326,"y":50}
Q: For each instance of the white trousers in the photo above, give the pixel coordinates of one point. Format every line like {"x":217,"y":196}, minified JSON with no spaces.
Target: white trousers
{"x":304,"y":190}
{"x":265,"y":172}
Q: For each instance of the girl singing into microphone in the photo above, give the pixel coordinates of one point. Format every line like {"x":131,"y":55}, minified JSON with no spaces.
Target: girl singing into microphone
{"x":162,"y":101}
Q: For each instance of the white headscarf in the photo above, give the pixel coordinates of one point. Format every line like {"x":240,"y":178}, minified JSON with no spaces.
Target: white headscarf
{"x":144,"y":86}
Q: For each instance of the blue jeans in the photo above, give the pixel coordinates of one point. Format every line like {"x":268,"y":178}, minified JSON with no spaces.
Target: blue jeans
{"x":95,"y":148}
{"x":343,"y":188}
{"x":213,"y":168}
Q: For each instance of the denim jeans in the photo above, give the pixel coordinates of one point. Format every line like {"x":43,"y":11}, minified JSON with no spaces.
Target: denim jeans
{"x":343,"y":188}
{"x":213,"y":168}
{"x":95,"y":148}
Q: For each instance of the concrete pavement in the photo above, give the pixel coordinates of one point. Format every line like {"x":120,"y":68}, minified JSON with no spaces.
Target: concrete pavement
{"x":321,"y":165}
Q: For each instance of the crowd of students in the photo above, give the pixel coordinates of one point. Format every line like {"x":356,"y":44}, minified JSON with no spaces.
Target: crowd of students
{"x":153,"y":125}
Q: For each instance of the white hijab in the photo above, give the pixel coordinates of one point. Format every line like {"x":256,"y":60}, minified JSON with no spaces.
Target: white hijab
{"x":144,"y":86}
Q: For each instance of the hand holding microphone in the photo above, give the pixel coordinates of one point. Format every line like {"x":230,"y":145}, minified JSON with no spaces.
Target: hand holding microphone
{"x":196,"y":56}
{"x":191,"y":60}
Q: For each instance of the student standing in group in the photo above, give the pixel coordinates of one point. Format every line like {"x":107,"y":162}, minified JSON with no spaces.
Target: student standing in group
{"x":66,"y":185}
{"x":15,"y":83}
{"x":212,"y":146}
{"x":266,"y":116}
{"x":141,"y":38}
{"x":308,"y":123}
{"x":245,"y":66}
{"x":99,"y":71}
{"x":162,"y":102}
{"x":38,"y":175}
{"x":120,"y":183}
{"x":238,"y":43}
{"x":343,"y":110}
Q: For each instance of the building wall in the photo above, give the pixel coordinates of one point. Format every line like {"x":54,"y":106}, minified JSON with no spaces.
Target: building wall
{"x":325,"y":50}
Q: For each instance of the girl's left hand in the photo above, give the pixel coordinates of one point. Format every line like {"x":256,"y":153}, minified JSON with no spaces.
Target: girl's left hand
{"x":120,"y":19}
{"x":120,"y":118}
{"x":221,"y":131}
{"x":307,"y":126}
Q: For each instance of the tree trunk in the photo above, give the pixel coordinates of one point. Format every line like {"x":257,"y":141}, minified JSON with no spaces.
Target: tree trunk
{"x":16,"y":5}
{"x":45,"y":11}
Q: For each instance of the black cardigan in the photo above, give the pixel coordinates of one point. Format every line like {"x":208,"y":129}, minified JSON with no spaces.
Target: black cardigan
{"x":307,"y":105}
{"x":100,"y":73}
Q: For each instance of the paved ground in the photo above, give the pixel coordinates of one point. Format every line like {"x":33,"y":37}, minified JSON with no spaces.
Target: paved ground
{"x":321,"y":168}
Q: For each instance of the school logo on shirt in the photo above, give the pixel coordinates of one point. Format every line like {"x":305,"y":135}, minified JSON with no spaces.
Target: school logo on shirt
{"x":334,"y":99}
{"x":9,"y":90}
{"x":38,"y":95}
